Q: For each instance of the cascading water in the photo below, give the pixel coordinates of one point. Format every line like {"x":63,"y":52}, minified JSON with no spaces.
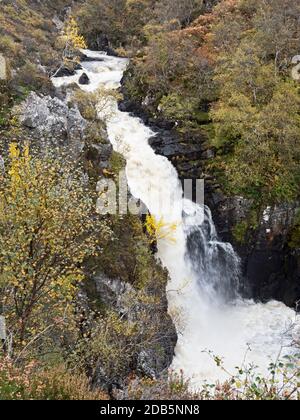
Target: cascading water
{"x":204,"y":272}
{"x":215,"y":265}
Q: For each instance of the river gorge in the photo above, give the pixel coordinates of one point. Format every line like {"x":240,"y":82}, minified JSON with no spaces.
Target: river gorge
{"x":218,"y":330}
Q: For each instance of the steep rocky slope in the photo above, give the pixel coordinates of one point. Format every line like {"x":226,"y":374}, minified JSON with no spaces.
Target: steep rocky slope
{"x":126,"y":282}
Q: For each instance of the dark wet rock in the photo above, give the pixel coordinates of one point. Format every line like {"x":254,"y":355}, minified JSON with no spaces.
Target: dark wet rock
{"x":84,"y":79}
{"x":100,"y":42}
{"x":124,"y":106}
{"x":171,"y":144}
{"x":110,"y":51}
{"x":64,"y":72}
{"x":134,"y":108}
{"x":86,"y":58}
{"x":99,"y":154}
{"x":271,"y":269}
{"x":273,"y":272}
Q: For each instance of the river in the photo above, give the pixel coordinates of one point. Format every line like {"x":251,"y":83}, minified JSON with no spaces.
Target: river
{"x":211,"y":318}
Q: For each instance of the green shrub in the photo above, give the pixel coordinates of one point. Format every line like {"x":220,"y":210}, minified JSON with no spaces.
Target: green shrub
{"x":294,"y":241}
{"x":48,"y":228}
{"x":9,"y":47}
{"x":30,"y":77}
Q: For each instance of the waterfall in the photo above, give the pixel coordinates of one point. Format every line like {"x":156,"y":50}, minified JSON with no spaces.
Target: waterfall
{"x":215,"y":264}
{"x":204,"y":272}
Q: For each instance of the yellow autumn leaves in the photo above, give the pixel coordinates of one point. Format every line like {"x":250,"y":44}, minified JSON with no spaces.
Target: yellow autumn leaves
{"x":19,"y":163}
{"x":72,"y":35}
{"x":159,"y":229}
{"x":47,"y":229}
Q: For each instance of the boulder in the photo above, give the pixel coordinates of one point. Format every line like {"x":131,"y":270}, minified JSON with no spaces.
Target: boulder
{"x":50,"y":120}
{"x":3,"y":67}
{"x":64,"y":72}
{"x":84,"y":79}
{"x":87,"y":59}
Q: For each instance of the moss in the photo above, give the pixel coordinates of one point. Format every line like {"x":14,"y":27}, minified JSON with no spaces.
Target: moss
{"x":294,"y":239}
{"x":239,"y":232}
{"x":202,"y":117}
{"x":241,"y":229}
{"x":117,"y":163}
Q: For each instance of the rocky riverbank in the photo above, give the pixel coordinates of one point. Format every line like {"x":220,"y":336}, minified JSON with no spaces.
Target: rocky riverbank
{"x":126,"y":279}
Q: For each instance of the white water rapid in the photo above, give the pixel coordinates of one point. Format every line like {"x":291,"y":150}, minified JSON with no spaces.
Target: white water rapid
{"x":208,"y":313}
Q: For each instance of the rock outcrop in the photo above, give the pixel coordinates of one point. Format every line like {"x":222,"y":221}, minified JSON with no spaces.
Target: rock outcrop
{"x":84,"y":79}
{"x":64,"y":72}
{"x":271,"y":267}
{"x":52,"y":122}
{"x":155,"y":356}
{"x":155,"y":335}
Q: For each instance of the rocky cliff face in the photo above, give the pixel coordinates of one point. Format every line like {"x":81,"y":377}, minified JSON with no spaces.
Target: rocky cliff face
{"x":271,"y":267}
{"x":127,"y":280}
{"x":152,"y":357}
{"x":52,"y":123}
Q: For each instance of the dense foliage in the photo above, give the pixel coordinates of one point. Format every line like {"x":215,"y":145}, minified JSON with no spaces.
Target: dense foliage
{"x":47,"y":229}
{"x":257,"y":121}
{"x":237,"y":62}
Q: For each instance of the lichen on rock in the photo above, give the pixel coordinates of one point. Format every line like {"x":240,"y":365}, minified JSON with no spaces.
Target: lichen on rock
{"x":52,"y":122}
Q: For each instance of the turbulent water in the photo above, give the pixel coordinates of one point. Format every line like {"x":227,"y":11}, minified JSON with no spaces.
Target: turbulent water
{"x":204,"y":272}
